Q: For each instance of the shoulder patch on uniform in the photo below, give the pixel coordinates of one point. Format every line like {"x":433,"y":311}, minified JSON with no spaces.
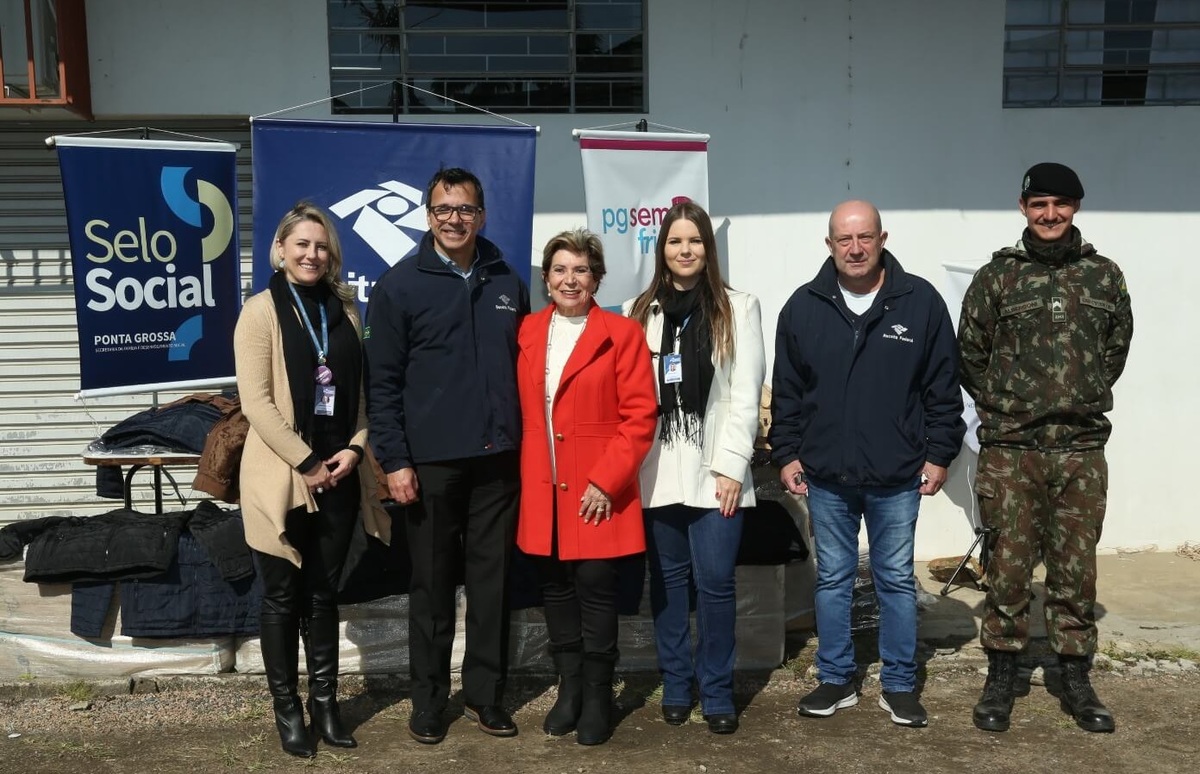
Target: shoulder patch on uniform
{"x":1023,"y":306}
{"x":1098,"y":303}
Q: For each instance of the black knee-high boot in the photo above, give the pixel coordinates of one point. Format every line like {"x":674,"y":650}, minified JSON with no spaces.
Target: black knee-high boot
{"x":279,"y":637}
{"x":321,"y":650}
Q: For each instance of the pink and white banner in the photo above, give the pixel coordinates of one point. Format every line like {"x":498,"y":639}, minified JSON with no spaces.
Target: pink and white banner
{"x":630,"y":181}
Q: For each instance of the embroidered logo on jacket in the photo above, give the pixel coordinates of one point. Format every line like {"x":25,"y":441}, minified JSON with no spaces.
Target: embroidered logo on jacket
{"x":898,"y":334}
{"x":506,"y":303}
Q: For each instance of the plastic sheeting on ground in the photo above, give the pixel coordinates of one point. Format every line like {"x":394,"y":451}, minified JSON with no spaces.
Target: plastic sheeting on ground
{"x":36,"y":642}
{"x":35,"y":638}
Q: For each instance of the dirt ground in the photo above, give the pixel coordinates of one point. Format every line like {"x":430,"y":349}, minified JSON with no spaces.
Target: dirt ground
{"x":224,"y":725}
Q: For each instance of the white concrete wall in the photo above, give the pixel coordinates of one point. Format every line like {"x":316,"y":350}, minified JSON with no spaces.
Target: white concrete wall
{"x":216,"y":57}
{"x":808,"y":102}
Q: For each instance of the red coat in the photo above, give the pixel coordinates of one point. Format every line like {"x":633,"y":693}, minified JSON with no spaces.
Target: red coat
{"x":604,"y":419}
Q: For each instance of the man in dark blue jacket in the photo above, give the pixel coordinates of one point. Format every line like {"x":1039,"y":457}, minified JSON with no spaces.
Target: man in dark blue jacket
{"x":445,"y":424}
{"x":866,"y":418}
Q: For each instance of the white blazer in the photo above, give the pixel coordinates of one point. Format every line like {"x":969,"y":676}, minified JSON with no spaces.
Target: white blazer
{"x":681,"y":473}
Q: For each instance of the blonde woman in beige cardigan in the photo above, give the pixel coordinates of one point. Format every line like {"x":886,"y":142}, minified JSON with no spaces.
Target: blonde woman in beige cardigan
{"x":298,"y":354}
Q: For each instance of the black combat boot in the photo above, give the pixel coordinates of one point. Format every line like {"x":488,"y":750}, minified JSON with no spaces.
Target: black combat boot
{"x":1078,"y":697}
{"x":564,"y":715}
{"x":595,"y":717}
{"x":321,"y":649}
{"x":994,"y":709}
{"x":279,"y":637}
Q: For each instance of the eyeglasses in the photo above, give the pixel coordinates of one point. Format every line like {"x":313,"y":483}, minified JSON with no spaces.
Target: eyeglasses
{"x":579,"y":272}
{"x":467,"y":212}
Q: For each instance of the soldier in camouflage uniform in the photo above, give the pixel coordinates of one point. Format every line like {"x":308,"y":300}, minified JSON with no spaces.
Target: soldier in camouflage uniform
{"x":1044,"y":333}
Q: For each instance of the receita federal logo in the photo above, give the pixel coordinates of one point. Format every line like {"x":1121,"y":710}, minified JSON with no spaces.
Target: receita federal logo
{"x":390,"y":218}
{"x":136,"y":243}
{"x":898,"y":334}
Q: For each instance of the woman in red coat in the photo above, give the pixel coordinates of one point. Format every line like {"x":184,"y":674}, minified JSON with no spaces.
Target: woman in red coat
{"x":589,"y":413}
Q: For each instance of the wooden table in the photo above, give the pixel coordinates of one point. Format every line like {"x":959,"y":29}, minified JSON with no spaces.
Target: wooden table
{"x":136,"y":462}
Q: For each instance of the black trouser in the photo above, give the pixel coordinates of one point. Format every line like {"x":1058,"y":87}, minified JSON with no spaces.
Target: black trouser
{"x":579,"y":597}
{"x":466,"y":511}
{"x":322,"y":538}
{"x":580,"y":600}
{"x":308,"y":593}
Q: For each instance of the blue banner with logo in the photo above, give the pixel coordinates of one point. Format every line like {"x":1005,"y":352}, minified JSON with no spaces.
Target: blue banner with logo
{"x":371,"y":177}
{"x":154,"y":252}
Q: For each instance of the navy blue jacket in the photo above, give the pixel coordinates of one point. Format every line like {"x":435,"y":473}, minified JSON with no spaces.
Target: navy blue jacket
{"x":866,"y":405}
{"x":442,"y":359}
{"x":190,"y":600}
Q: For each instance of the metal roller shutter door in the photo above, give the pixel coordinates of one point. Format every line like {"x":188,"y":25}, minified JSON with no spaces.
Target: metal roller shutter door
{"x":43,"y":428}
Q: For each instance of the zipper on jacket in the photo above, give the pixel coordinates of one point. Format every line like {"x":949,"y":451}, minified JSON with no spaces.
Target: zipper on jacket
{"x":1056,"y":350}
{"x":474,"y":284}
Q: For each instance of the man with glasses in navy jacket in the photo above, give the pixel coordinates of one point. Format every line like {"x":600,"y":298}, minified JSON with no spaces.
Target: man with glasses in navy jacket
{"x":445,"y":424}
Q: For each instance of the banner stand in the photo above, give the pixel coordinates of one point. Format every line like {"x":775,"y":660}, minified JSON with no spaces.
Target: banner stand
{"x":156,"y":269}
{"x":631,"y":180}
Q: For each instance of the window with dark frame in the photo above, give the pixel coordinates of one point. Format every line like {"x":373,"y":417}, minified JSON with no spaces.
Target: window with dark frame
{"x":1080,"y":53}
{"x":508,"y":56}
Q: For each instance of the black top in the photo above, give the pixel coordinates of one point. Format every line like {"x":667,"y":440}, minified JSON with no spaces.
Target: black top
{"x":326,"y":435}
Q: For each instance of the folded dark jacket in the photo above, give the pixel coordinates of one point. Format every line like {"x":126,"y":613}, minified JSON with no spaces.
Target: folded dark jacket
{"x":771,"y":535}
{"x":374,"y":570}
{"x":14,"y":537}
{"x":181,"y":426}
{"x":189,"y":600}
{"x":90,"y":601}
{"x":222,"y":535}
{"x":119,"y":544}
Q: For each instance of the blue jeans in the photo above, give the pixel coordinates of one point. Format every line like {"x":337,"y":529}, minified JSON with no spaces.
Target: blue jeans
{"x":694,"y":547}
{"x":891,"y":517}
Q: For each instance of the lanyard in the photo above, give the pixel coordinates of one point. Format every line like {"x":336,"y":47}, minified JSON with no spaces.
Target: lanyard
{"x":679,"y":333}
{"x":321,"y":346}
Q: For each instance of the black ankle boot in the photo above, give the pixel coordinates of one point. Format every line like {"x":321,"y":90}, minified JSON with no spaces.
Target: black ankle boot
{"x":279,"y":637}
{"x":994,"y":709}
{"x":321,"y":649}
{"x":1079,"y":699}
{"x":564,"y":715}
{"x":595,"y":716}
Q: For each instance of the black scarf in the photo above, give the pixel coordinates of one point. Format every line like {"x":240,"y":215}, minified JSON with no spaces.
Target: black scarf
{"x":344,"y":357}
{"x":1057,"y":253}
{"x":682,"y":405}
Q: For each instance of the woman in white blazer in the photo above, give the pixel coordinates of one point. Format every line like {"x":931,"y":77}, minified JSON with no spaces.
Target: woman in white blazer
{"x":706,"y":344}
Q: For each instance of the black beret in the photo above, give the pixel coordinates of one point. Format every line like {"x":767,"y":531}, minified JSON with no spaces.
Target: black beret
{"x":1050,"y":179}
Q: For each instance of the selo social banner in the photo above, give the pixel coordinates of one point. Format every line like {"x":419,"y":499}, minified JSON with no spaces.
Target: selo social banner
{"x":155,"y":259}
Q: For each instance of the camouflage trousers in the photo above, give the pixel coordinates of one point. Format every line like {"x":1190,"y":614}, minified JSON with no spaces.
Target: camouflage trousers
{"x":1047,"y":506}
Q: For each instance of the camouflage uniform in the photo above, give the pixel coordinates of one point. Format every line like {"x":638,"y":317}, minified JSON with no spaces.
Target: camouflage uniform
{"x":1044,"y":334}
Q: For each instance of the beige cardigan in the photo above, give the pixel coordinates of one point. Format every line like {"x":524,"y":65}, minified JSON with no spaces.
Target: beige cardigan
{"x":271,"y":485}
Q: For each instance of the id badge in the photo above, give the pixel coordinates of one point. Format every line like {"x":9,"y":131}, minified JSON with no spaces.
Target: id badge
{"x":672,"y":368}
{"x":324,"y":400}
